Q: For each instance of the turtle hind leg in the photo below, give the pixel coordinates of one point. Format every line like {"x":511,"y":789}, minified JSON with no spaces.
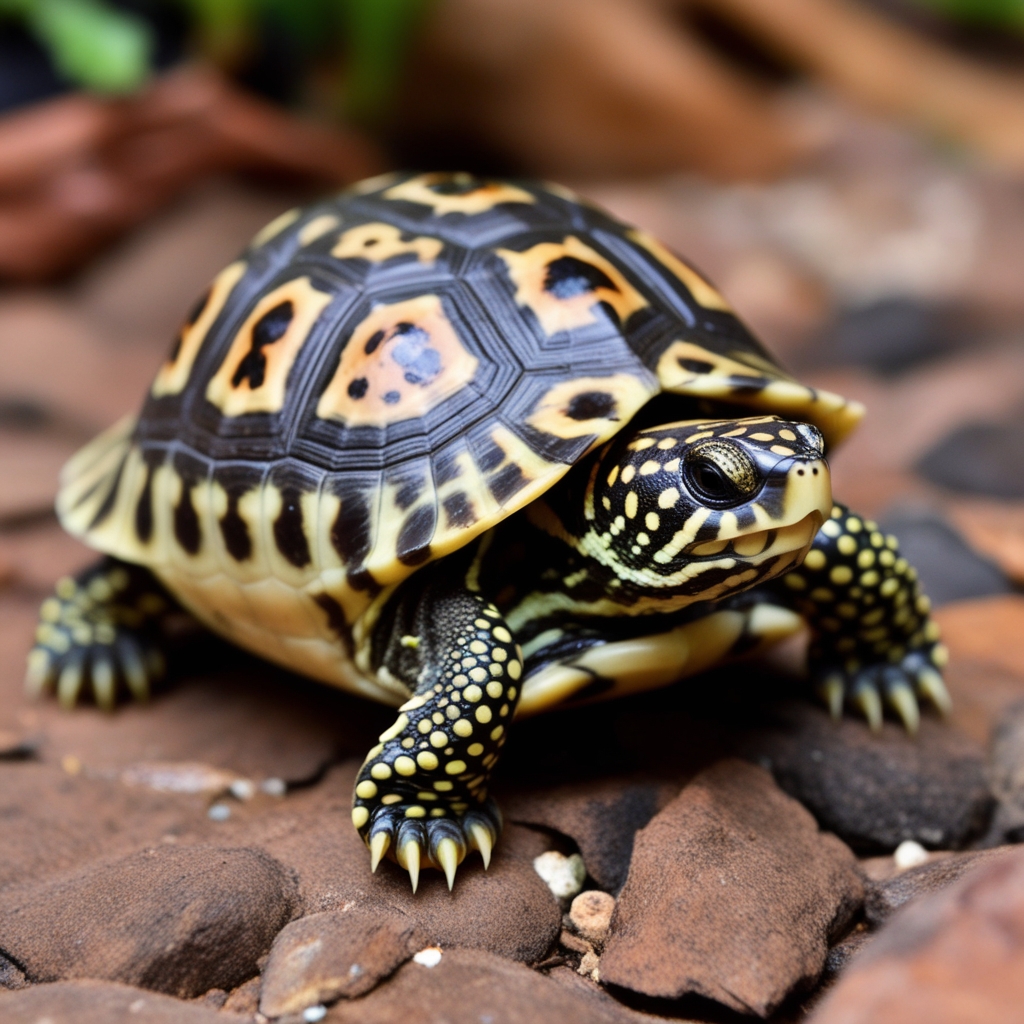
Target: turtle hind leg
{"x":421,"y":795}
{"x":873,"y":642}
{"x":99,"y":632}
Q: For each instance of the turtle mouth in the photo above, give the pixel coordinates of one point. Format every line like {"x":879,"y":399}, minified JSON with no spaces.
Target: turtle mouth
{"x":756,"y":546}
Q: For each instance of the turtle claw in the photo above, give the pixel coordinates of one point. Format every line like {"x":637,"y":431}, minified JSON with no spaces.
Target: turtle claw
{"x":902,"y":700}
{"x":931,"y":686}
{"x":832,"y":692}
{"x":867,"y":701}
{"x":438,"y":842}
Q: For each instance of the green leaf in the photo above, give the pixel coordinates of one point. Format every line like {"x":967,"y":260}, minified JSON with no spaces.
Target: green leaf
{"x":1004,"y":13}
{"x":377,"y":37}
{"x":94,"y":45}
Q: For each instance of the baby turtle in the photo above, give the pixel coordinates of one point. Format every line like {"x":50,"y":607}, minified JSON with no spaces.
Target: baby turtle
{"x":475,"y":448}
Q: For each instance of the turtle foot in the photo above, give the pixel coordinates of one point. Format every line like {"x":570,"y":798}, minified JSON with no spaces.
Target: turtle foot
{"x":438,"y":842}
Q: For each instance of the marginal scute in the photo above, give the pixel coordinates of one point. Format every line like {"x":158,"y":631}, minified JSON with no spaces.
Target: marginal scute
{"x":457,"y":193}
{"x":173,"y":375}
{"x":565,"y":284}
{"x":688,"y":368}
{"x":377,"y":242}
{"x":400,"y":362}
{"x":254,"y":373}
{"x":275,"y":227}
{"x":702,"y":292}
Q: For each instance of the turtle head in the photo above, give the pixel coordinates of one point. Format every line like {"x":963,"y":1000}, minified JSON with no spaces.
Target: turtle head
{"x":696,"y":511}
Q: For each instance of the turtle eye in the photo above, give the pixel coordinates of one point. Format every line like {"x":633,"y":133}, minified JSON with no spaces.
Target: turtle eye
{"x":721,"y":474}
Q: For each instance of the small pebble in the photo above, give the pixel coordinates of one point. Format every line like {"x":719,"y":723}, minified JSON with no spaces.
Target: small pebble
{"x":219,"y":812}
{"x":314,"y":1013}
{"x":564,"y":875}
{"x":243,"y":789}
{"x":909,"y":854}
{"x":589,"y":965}
{"x":274,"y":787}
{"x":591,"y":914}
{"x":429,"y":957}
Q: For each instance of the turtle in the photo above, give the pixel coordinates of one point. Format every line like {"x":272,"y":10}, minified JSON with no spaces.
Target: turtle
{"x":475,"y":449}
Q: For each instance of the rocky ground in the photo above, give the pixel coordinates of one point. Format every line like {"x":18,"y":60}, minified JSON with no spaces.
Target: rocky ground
{"x":715,"y":850}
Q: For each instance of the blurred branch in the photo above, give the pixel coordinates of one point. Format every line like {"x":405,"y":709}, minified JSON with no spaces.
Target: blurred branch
{"x":893,"y":71}
{"x":79,"y":170}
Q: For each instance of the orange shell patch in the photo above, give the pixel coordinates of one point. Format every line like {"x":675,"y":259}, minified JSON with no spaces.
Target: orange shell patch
{"x":401,"y":361}
{"x":591,"y":405}
{"x":468,"y":196}
{"x":562,"y":283}
{"x":254,"y":373}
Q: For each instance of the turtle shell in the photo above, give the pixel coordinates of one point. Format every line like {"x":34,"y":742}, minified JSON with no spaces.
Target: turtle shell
{"x":385,"y":374}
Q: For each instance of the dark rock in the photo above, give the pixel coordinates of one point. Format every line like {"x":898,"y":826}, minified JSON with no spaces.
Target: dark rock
{"x":601,"y":816}
{"x":472,"y":987}
{"x":841,"y":955}
{"x":874,"y":791}
{"x":956,"y":957}
{"x":1006,"y":771}
{"x":339,"y":953}
{"x":180,"y":920}
{"x":733,"y":895}
{"x":11,"y":975}
{"x":507,"y":909}
{"x":979,"y":458}
{"x":100,"y":1002}
{"x":949,"y":569}
{"x":891,"y":335}
{"x":883,"y":899}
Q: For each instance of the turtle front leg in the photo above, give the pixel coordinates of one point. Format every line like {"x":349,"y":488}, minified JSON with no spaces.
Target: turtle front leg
{"x":99,"y":630}
{"x":872,"y":639}
{"x":421,"y":795}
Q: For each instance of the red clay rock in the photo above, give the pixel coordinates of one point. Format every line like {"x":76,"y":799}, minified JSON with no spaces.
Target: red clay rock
{"x":733,"y":894}
{"x":883,"y":899}
{"x":101,"y":1002}
{"x":470,"y":987}
{"x":180,"y":920}
{"x":339,"y":953}
{"x":956,"y":957}
{"x":507,"y":909}
{"x":602,"y":816}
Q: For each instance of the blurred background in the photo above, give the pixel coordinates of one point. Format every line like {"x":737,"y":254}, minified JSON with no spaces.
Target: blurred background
{"x":849,"y":172}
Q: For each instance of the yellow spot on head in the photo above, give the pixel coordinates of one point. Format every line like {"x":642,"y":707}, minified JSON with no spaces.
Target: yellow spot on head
{"x":854,"y":525}
{"x":631,"y":504}
{"x":815,"y":559}
{"x":483,"y":714}
{"x":515,"y":669}
{"x":866,"y":558}
{"x":463,"y":728}
{"x":438,"y":739}
{"x":846,"y":544}
{"x":841,"y":574}
{"x":381,"y":771}
{"x":650,"y":467}
{"x":502,"y":634}
{"x":628,"y":473}
{"x":366,"y":789}
{"x":494,"y":690}
{"x":781,"y":449}
{"x":426,"y":760}
{"x":652,"y":521}
{"x":668,"y":498}
{"x":472,"y":693}
{"x":762,"y":437}
{"x":478,"y":675}
{"x":787,"y":435}
{"x":405,"y":765}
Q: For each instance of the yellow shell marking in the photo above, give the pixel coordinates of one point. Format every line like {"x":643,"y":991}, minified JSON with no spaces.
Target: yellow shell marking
{"x":479,"y":200}
{"x":391,"y":371}
{"x":237,"y":388}
{"x":379,"y":242}
{"x":704,"y":293}
{"x":173,"y":375}
{"x":529,"y":272}
{"x":591,"y":405}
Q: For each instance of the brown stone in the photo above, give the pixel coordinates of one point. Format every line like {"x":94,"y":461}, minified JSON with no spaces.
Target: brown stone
{"x":507,"y":909}
{"x":883,"y":899}
{"x":591,"y":915}
{"x":470,"y":987}
{"x":989,"y":630}
{"x":180,"y":920}
{"x":339,"y":953}
{"x":956,"y":957}
{"x":100,"y":1002}
{"x":244,"y":999}
{"x":996,"y":529}
{"x":601,"y":816}
{"x":733,"y":894}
